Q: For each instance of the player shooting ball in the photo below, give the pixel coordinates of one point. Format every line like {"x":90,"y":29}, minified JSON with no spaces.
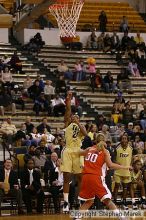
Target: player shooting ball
{"x":70,"y":159}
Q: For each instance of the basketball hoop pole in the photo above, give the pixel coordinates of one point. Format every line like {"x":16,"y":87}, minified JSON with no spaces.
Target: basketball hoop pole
{"x":67,"y":14}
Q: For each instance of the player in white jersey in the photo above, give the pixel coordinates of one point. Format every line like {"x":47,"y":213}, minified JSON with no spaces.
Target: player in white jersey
{"x":70,"y":159}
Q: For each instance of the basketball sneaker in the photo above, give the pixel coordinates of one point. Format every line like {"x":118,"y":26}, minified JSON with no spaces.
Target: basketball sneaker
{"x":65,"y":207}
{"x":134,"y":206}
{"x":125,"y":207}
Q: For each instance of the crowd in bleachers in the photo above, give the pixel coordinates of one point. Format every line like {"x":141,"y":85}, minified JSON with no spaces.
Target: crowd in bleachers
{"x":126,"y":127}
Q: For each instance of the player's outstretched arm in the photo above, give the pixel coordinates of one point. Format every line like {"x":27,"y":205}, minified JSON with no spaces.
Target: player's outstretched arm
{"x":112,"y":165}
{"x":67,"y":116}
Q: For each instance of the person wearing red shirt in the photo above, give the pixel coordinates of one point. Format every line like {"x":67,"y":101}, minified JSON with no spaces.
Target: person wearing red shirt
{"x":97,"y":159}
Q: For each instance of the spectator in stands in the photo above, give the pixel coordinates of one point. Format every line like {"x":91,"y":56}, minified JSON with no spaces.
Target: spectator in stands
{"x":127,"y":114}
{"x":129,"y":130}
{"x":56,"y":185}
{"x":35,"y":90}
{"x":132,"y":44}
{"x":142,"y":118}
{"x":29,"y":124}
{"x":8,"y":130}
{"x":125,"y":41}
{"x":64,"y":70}
{"x":123,"y":156}
{"x":116,"y":114}
{"x":108,"y":83}
{"x":21,"y":137}
{"x":98,"y":80}
{"x":43,"y":125}
{"x":137,"y":182}
{"x":16,"y":63}
{"x":123,"y":81}
{"x":100,"y":42}
{"x":30,"y":153}
{"x":48,"y":136}
{"x":100,"y":121}
{"x":6,"y":61}
{"x":92,"y":73}
{"x":38,"y":41}
{"x":131,"y":54}
{"x":39,"y":160}
{"x":55,"y":145}
{"x":102,"y":19}
{"x":9,"y":184}
{"x":26,"y":84}
{"x":58,"y":105}
{"x":41,"y":81}
{"x":107,"y":43}
{"x":7,"y":78}
{"x":78,"y":70}
{"x":41,"y":104}
{"x":138,"y":39}
{"x":75,"y":105}
{"x":17,"y":97}
{"x":31,"y":186}
{"x":141,"y":59}
{"x":141,"y":54}
{"x":105,"y":132}
{"x":6,"y":102}
{"x":119,"y":132}
{"x":49,"y":90}
{"x":124,"y":26}
{"x":84,"y":70}
{"x":93,"y":132}
{"x":140,"y":106}
{"x":61,"y":86}
{"x":50,"y":165}
{"x":138,"y":143}
{"x":92,"y":41}
{"x":35,"y":137}
{"x":120,"y":100}
{"x":133,"y":68}
{"x":138,"y":131}
{"x":115,"y":42}
{"x":31,"y":46}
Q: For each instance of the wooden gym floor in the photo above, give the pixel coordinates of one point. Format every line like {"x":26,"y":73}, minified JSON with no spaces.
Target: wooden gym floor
{"x":55,"y":217}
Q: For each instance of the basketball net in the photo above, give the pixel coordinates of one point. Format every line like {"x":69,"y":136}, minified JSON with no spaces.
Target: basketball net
{"x":67,"y":13}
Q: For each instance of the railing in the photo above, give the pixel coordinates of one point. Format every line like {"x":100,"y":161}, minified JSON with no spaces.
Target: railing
{"x":6,"y":148}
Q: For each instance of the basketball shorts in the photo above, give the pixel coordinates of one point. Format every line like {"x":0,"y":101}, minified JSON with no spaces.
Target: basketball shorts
{"x":92,"y":186}
{"x":122,"y":179}
{"x":71,"y":160}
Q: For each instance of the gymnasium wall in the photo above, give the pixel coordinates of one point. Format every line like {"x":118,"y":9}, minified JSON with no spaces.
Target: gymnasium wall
{"x":4,"y":35}
{"x":51,"y":37}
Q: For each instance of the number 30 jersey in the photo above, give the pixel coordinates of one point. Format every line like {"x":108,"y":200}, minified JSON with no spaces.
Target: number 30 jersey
{"x":73,"y":136}
{"x":94,"y":163}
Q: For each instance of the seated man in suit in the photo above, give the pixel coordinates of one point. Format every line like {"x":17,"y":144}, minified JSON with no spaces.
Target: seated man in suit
{"x":31,"y":186}
{"x":9,"y":184}
{"x":49,"y":166}
{"x":56,"y":185}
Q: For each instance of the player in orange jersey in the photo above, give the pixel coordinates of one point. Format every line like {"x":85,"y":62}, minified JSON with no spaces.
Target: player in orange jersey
{"x":97,"y":159}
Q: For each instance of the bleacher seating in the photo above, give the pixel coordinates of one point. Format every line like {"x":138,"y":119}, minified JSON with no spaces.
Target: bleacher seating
{"x":114,"y":10}
{"x":105,"y":62}
{"x":7,"y":4}
{"x":29,"y":69}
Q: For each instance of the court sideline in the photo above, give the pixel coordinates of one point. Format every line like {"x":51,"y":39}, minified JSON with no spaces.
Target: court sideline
{"x":55,"y":217}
